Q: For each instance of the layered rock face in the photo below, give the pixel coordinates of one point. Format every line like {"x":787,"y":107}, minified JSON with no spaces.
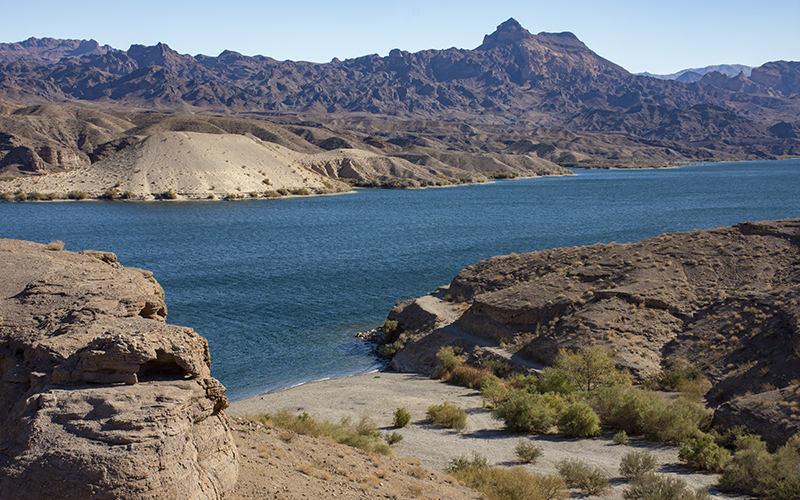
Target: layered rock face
{"x":726,"y":299}
{"x":99,"y":396}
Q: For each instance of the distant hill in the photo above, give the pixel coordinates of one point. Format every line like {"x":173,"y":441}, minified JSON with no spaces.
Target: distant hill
{"x":695,"y":74}
{"x":528,"y":85}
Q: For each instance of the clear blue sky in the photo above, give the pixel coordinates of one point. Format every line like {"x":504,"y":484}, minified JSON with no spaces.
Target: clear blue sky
{"x":659,"y":36}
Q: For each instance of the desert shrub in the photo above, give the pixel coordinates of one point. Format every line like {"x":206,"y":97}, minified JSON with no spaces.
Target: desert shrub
{"x":363,"y":435}
{"x":20,"y":196}
{"x":35,"y":196}
{"x":6,"y":196}
{"x":501,"y":483}
{"x":494,"y":391}
{"x":621,"y":437}
{"x":169,"y":194}
{"x":527,"y":451}
{"x":394,"y":437}
{"x":55,"y":245}
{"x":126,"y":195}
{"x":468,"y":376}
{"x":755,"y":471}
{"x":110,"y":194}
{"x":579,"y":421}
{"x":652,"y":486}
{"x":448,"y":361}
{"x":589,"y":368}
{"x":392,"y":339}
{"x":676,"y":421}
{"x":401,"y":417}
{"x":590,"y":480}
{"x":643,"y":412}
{"x":300,"y":192}
{"x":528,"y":382}
{"x":461,"y":463}
{"x":526,"y":412}
{"x":447,"y":415}
{"x":50,"y":196}
{"x":681,"y":376}
{"x":272,"y":194}
{"x":702,"y":453}
{"x":266,"y":181}
{"x":554,"y":380}
{"x":635,"y":464}
{"x":76,"y":195}
{"x":496,"y":367}
{"x":284,"y":192}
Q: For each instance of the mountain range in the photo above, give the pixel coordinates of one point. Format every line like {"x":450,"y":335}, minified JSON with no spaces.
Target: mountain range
{"x":513,"y":79}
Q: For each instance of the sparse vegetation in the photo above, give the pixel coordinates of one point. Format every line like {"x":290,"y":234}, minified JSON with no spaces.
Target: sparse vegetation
{"x":447,"y":415}
{"x":505,"y":483}
{"x":169,"y":194}
{"x":635,"y":464}
{"x":527,"y":451}
{"x":652,"y":486}
{"x":621,"y":437}
{"x":590,"y":480}
{"x":76,"y":195}
{"x":363,"y":435}
{"x":402,"y":417}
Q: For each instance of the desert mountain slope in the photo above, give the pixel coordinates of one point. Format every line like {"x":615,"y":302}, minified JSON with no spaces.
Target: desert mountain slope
{"x":726,"y":300}
{"x":513,"y":77}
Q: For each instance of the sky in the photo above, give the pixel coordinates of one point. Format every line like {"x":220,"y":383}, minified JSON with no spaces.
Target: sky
{"x":662,"y":36}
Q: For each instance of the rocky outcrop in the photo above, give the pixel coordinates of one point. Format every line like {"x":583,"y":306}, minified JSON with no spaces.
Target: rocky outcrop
{"x":99,"y":396}
{"x":725,"y":299}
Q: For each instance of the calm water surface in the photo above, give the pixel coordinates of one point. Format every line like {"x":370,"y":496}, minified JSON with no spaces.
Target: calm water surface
{"x":279,"y":287}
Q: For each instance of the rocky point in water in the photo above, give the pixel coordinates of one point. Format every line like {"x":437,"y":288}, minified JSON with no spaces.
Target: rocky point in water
{"x":726,"y":300}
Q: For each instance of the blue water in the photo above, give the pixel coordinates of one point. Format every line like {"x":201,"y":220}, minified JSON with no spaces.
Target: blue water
{"x":279,"y":287}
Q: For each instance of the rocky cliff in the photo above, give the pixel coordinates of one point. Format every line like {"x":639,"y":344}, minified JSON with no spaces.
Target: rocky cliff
{"x":726,"y":300}
{"x":99,"y":396}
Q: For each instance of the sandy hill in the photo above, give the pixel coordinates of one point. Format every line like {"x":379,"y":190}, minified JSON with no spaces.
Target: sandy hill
{"x":191,"y":165}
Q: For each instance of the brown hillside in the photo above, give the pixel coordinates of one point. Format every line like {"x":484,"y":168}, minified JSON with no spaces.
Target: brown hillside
{"x":726,"y":300}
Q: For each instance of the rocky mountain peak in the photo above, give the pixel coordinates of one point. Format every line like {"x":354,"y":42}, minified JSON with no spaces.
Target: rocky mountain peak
{"x":506,"y":33}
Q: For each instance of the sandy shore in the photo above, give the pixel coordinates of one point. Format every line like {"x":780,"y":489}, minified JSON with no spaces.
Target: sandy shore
{"x":379,"y":394}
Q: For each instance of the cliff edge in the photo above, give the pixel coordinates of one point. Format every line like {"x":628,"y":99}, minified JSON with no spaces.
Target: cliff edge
{"x":99,"y":396}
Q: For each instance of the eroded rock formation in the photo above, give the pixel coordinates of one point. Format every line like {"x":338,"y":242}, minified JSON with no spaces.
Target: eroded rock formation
{"x":725,"y":299}
{"x":99,"y":396}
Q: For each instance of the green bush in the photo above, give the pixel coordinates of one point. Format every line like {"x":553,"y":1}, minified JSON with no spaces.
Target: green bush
{"x":394,"y":437}
{"x":76,"y":195}
{"x":621,"y":437}
{"x":652,"y":486}
{"x":448,"y":361}
{"x":461,"y":463}
{"x":702,"y":453}
{"x":579,"y":421}
{"x":635,"y":464}
{"x":468,"y":376}
{"x":401,"y":417}
{"x":506,"y":483}
{"x":526,"y":412}
{"x":590,"y":480}
{"x":590,"y":368}
{"x":447,"y":415}
{"x":527,"y":451}
{"x":494,"y":391}
{"x":755,"y":471}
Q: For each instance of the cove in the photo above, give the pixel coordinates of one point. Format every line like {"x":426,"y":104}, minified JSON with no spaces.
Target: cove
{"x":279,"y":287}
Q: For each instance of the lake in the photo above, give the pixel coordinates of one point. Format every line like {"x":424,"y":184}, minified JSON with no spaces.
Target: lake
{"x":279,"y":287}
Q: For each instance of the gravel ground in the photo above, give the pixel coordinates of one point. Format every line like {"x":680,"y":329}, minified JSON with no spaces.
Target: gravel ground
{"x":379,"y":394}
